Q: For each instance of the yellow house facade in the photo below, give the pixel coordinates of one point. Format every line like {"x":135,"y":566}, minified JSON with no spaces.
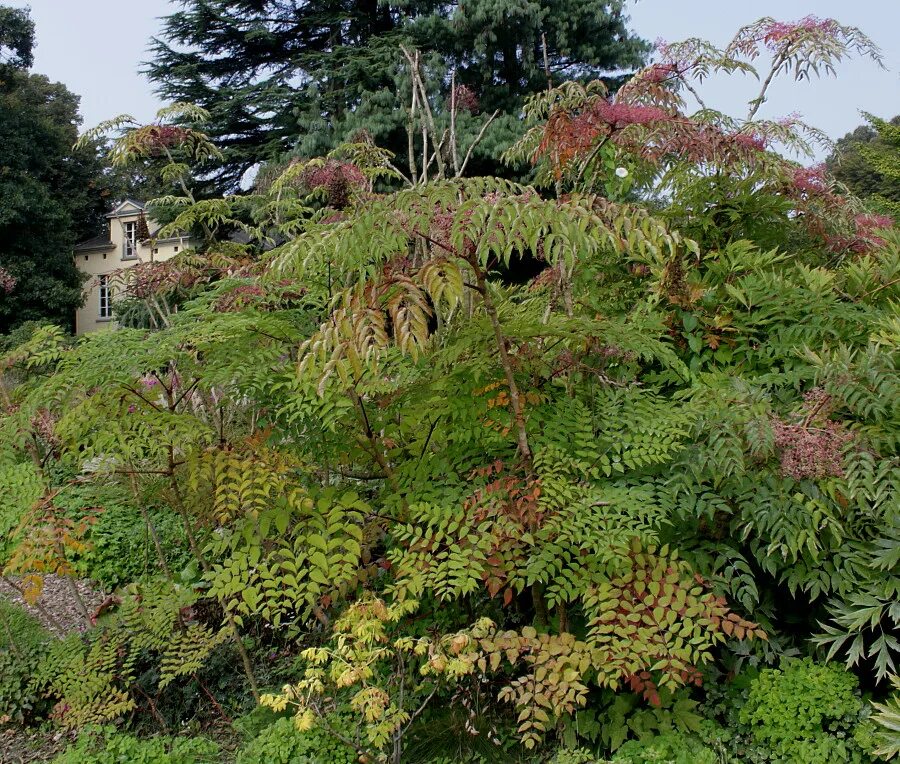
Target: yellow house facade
{"x":105,"y":257}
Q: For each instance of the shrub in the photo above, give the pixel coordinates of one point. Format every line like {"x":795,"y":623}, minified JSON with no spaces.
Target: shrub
{"x":22,"y":640}
{"x":804,"y":712}
{"x":671,"y":748}
{"x":18,"y":696}
{"x":282,"y":743}
{"x":25,"y":630}
{"x":107,"y":746}
{"x":121,"y":549}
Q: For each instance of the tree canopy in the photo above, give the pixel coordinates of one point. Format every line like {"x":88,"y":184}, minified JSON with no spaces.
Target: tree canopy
{"x":279,"y":76}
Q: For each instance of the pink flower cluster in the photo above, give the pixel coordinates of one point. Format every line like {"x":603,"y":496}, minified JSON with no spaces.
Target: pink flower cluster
{"x":752,"y":141}
{"x":814,"y":447}
{"x":865,"y":224}
{"x":466,"y":100}
{"x":790,"y":120}
{"x":661,"y":72}
{"x":7,"y":281}
{"x":778,"y":31}
{"x":239,"y":297}
{"x":620,"y":115}
{"x":43,"y":423}
{"x":337,"y":179}
{"x":810,"y":180}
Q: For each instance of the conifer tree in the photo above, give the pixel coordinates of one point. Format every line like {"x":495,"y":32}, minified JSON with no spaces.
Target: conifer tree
{"x":282,"y":74}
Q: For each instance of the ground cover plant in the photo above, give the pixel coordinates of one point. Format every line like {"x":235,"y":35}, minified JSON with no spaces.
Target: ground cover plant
{"x":446,"y":468}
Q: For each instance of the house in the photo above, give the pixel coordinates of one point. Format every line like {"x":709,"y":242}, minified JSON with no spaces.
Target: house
{"x":105,"y":257}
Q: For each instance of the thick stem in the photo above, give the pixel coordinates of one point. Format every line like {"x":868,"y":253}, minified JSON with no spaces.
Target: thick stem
{"x":541,"y":612}
{"x":426,"y":110}
{"x":453,"y":148}
{"x":76,"y":596}
{"x":761,"y":98}
{"x":515,"y":400}
{"x":153,"y":709}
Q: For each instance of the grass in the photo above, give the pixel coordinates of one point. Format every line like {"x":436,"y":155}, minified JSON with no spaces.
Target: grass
{"x":24,"y":628}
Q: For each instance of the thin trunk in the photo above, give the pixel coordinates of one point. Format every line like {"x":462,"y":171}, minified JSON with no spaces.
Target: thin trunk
{"x":212,"y":699}
{"x":515,"y":400}
{"x":76,"y":595}
{"x":151,"y":528}
{"x":9,"y":637}
{"x":541,"y":612}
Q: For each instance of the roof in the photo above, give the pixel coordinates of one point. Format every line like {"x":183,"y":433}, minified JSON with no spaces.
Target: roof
{"x":120,"y":209}
{"x":97,"y":243}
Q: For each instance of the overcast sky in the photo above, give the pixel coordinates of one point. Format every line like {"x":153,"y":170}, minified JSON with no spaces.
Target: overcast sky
{"x":96,"y":48}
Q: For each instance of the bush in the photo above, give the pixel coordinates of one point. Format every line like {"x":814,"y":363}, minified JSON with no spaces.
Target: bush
{"x":18,"y":697}
{"x":671,"y":748}
{"x":804,"y":712}
{"x":282,"y":743}
{"x":121,"y":549}
{"x":107,"y":746}
{"x":26,"y":631}
{"x":22,"y":641}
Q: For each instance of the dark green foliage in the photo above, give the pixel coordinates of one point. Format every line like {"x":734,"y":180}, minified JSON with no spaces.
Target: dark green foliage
{"x":862,"y":161}
{"x":443,"y":507}
{"x":121,"y":549}
{"x":16,"y":39}
{"x":22,"y":642}
{"x":672,"y":747}
{"x":18,"y":628}
{"x":20,"y":701}
{"x":275,"y":75}
{"x":106,"y":745}
{"x":281,"y":743}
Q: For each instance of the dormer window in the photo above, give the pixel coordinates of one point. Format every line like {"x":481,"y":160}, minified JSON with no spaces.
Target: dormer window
{"x":129,"y":244}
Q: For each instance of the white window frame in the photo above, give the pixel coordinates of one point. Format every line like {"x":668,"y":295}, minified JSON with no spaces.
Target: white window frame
{"x":129,"y":240}
{"x":104,"y":294}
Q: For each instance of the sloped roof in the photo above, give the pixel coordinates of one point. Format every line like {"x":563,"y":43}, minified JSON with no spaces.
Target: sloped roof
{"x":118,"y":211}
{"x":98,"y":242}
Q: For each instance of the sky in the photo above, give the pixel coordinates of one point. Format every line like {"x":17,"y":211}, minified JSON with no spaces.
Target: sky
{"x":96,"y":48}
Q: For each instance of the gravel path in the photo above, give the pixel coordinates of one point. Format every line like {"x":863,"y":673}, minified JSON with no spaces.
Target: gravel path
{"x":56,"y":609}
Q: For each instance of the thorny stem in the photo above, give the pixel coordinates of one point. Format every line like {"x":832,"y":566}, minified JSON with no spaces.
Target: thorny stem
{"x":212,"y":699}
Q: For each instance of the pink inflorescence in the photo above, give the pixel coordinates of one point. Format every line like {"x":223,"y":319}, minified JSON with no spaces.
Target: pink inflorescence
{"x":465,"y":98}
{"x":790,"y":120}
{"x":43,"y":424}
{"x":336,"y":178}
{"x":750,"y":141}
{"x":868,"y":223}
{"x":814,"y":447}
{"x":7,"y":281}
{"x":619,"y":115}
{"x":661,"y":72}
{"x":810,"y":180}
{"x":778,"y":31}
